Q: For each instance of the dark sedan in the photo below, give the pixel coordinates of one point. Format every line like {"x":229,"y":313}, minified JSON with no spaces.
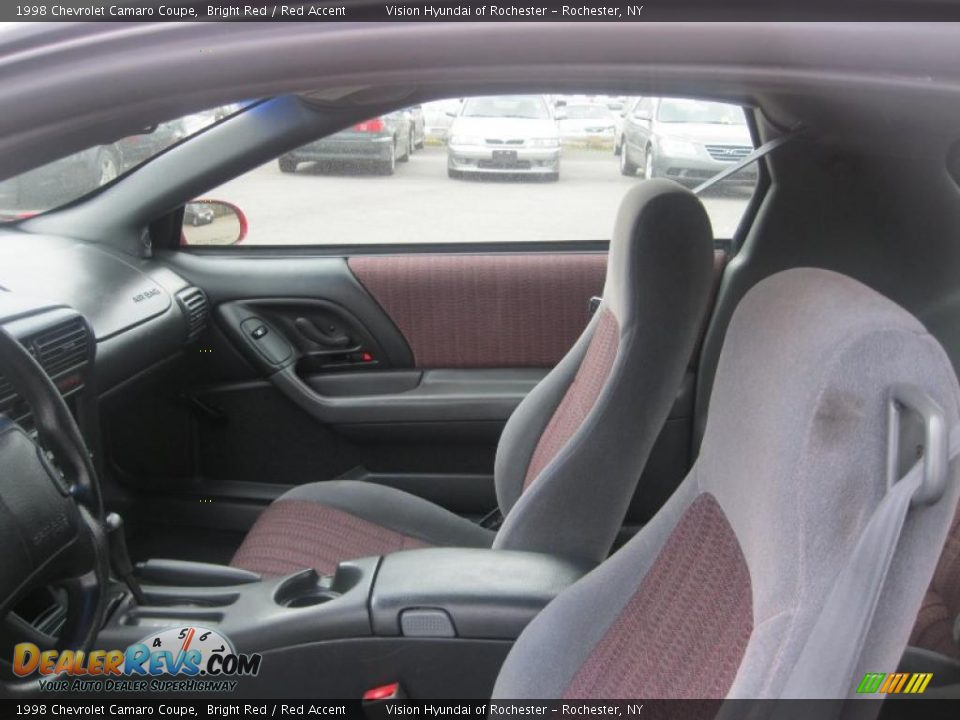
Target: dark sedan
{"x":379,"y":142}
{"x":85,"y":171}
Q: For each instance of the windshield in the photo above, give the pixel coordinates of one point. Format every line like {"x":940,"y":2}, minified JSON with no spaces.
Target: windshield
{"x":587,"y":112}
{"x":699,"y":111}
{"x":531,"y":107}
{"x":70,"y":178}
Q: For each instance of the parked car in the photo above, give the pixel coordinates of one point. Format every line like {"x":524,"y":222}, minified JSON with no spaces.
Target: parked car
{"x":196,"y":214}
{"x":380,"y":142}
{"x":505,"y":134}
{"x":615,"y":105}
{"x":589,"y":124}
{"x":685,"y":140}
{"x":626,"y":108}
{"x":87,"y":170}
{"x":438,"y":117}
{"x":418,"y":127}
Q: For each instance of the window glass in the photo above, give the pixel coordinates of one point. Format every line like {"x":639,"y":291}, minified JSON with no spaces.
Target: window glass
{"x":67,"y":179}
{"x":587,"y":112}
{"x":490,"y":169}
{"x":697,"y":111}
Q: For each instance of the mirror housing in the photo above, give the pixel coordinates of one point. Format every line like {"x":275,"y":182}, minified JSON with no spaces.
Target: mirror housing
{"x":212,"y":222}
{"x":644,"y":115}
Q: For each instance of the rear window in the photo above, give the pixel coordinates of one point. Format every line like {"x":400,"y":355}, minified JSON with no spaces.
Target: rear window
{"x":698,"y":111}
{"x":521,"y":106}
{"x":489,"y":169}
{"x":586,"y":112}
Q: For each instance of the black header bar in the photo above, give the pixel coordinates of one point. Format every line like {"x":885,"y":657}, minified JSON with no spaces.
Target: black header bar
{"x":477,"y":11}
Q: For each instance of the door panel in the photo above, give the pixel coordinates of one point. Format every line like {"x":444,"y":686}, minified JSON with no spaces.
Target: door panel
{"x":481,"y":311}
{"x":455,"y":341}
{"x":340,"y":391}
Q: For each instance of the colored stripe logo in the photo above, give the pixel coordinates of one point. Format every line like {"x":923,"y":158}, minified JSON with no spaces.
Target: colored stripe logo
{"x":894,"y":683}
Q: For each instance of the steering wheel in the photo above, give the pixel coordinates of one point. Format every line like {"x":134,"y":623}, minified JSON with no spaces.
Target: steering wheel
{"x":51,"y":519}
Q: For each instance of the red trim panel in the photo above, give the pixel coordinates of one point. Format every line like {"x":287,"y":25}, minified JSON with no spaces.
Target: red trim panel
{"x":485,"y":311}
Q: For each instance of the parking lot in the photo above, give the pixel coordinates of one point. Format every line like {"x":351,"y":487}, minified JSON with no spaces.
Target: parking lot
{"x":420,"y":204}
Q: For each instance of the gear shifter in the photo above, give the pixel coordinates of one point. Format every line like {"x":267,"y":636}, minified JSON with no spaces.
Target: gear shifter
{"x":120,"y":558}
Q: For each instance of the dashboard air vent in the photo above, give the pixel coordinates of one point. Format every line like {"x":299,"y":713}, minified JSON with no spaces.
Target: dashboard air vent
{"x":62,"y":348}
{"x":193,"y":301}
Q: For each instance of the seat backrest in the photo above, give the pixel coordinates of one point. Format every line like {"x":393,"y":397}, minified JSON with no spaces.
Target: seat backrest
{"x":938,"y":621}
{"x":717,"y":595}
{"x":572,"y":452}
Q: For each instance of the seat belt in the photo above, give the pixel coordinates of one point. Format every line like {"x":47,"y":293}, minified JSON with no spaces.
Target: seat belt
{"x":765,"y":149}
{"x":829,"y":658}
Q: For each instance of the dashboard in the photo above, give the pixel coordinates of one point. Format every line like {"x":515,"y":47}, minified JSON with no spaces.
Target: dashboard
{"x":71,"y":302}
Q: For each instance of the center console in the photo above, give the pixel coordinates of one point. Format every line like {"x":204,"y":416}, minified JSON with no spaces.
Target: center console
{"x":439,"y":620}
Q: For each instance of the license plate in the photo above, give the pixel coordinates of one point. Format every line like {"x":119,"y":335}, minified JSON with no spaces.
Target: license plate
{"x":505,"y":156}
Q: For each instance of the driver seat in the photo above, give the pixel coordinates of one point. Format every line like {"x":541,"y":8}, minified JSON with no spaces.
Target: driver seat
{"x":719,"y":594}
{"x":572,"y":452}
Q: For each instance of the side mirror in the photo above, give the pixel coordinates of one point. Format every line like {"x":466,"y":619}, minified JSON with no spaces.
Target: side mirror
{"x":212,"y":222}
{"x":644,"y":115}
{"x":450,"y":113}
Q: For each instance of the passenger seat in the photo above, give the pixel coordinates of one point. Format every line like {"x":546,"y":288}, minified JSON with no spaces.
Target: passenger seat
{"x":572,"y":452}
{"x":760,"y":577}
{"x":938,"y":623}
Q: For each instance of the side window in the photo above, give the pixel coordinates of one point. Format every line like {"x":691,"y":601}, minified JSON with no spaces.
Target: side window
{"x":482,"y":169}
{"x":643,"y":110}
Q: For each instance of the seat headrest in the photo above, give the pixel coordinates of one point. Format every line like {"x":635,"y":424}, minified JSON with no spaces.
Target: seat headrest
{"x":796,"y":440}
{"x":660,"y":225}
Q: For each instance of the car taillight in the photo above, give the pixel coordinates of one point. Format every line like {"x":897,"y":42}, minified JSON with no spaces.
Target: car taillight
{"x":372,"y":125}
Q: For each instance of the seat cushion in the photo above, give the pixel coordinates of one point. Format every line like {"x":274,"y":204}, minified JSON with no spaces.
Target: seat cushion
{"x":684,"y":631}
{"x":941,"y":606}
{"x":323,"y":524}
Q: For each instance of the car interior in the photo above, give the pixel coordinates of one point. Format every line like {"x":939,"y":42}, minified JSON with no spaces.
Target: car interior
{"x":659,"y":463}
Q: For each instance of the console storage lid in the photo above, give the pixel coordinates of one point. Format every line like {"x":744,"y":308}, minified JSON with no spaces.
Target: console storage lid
{"x":469,"y":593}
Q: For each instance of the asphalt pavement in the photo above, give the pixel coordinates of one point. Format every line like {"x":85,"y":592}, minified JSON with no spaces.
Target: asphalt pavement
{"x":336,"y":204}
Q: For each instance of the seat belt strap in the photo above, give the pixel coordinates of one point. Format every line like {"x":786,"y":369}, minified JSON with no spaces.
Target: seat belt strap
{"x":833,"y":648}
{"x":762,"y":151}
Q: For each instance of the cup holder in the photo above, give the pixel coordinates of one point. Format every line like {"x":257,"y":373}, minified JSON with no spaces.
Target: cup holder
{"x":310,"y":599}
{"x":304,"y":590}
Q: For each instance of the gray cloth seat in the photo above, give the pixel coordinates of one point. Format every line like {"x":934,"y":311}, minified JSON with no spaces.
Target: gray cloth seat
{"x":717,"y":595}
{"x":572,"y":452}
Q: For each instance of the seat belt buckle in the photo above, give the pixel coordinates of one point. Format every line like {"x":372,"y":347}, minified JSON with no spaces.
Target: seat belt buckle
{"x":383,"y":693}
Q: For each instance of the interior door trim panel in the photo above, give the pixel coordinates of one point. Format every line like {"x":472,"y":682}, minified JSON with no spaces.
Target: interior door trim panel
{"x":300,"y":336}
{"x":485,"y":310}
{"x":256,"y":280}
{"x":440,"y":395}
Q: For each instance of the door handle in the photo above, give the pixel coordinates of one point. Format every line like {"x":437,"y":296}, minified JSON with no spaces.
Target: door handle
{"x":317,"y":336}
